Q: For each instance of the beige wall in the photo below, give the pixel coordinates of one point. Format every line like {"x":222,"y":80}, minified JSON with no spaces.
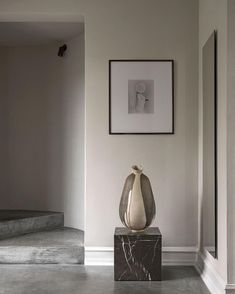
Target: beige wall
{"x":213,"y":16}
{"x":134,"y":29}
{"x":45,"y":127}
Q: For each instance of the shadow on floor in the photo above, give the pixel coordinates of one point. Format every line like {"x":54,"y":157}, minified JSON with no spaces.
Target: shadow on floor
{"x":170,"y":273}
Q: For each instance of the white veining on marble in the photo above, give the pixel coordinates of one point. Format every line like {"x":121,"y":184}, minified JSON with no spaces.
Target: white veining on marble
{"x":154,"y":251}
{"x":124,"y":252}
{"x":122,"y":275}
{"x":138,"y":267}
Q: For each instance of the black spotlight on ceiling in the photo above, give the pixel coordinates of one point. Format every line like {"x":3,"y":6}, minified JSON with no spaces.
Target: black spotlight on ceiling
{"x":62,"y":50}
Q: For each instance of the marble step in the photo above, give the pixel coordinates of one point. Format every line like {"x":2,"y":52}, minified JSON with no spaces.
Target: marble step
{"x":59,"y":246}
{"x":18,"y":222}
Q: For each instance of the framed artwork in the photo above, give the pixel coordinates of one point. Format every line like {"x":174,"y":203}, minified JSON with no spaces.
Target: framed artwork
{"x":141,"y":97}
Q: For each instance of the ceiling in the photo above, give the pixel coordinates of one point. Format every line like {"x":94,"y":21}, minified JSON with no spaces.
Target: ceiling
{"x":37,"y":33}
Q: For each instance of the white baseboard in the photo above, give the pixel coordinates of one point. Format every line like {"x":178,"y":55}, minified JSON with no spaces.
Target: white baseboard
{"x":230,"y":289}
{"x":99,"y":256}
{"x":179,"y":255}
{"x":170,"y":255}
{"x":209,"y":275}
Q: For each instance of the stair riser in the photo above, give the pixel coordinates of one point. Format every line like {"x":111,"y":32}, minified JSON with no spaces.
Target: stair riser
{"x":39,"y":255}
{"x":28,"y":225}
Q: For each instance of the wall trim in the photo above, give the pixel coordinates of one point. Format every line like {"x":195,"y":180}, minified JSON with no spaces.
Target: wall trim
{"x":99,"y":256}
{"x":179,"y":249}
{"x":230,"y":289}
{"x":209,"y":275}
{"x":170,"y":255}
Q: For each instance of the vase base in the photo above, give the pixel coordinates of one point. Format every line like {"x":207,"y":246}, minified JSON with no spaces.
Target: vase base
{"x":137,"y":231}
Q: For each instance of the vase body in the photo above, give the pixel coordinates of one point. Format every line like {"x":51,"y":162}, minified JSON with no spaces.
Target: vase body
{"x":137,"y":205}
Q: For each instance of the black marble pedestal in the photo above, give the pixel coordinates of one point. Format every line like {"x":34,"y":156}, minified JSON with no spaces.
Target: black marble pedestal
{"x":137,"y":256}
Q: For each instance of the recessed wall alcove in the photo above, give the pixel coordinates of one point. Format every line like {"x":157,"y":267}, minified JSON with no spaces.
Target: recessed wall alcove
{"x":42,"y":118}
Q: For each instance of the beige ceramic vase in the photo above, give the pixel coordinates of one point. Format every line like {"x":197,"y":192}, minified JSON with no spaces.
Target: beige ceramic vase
{"x":137,"y":205}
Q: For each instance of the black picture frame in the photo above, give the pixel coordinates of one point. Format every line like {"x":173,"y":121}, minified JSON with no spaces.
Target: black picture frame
{"x":170,"y":132}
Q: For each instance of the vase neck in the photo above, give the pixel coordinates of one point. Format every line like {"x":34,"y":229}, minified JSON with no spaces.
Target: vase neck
{"x":137,"y":170}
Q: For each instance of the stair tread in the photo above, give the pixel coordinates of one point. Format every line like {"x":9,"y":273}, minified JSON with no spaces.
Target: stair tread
{"x":19,"y":222}
{"x":59,"y":237}
{"x":61,"y":245}
{"x":12,"y":215}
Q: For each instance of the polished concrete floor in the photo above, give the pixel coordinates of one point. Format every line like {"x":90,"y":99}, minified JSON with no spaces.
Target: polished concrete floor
{"x":52,"y":279}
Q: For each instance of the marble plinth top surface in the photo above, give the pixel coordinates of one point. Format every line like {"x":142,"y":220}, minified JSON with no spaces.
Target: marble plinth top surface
{"x":147,"y":232}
